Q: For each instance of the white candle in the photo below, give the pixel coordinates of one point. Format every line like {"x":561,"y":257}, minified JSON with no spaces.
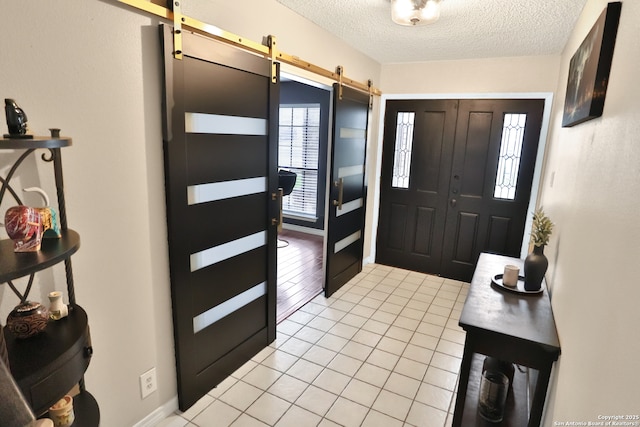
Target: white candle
{"x":510,"y":277}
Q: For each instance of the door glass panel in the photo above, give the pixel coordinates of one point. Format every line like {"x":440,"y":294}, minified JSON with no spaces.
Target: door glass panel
{"x":510,"y":153}
{"x":402,"y":151}
{"x":298,"y":152}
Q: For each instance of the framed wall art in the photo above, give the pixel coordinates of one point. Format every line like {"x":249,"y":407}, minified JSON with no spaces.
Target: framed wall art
{"x":589,"y":69}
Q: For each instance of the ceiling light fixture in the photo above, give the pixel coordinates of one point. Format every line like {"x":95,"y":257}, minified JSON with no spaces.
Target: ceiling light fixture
{"x":415,"y":12}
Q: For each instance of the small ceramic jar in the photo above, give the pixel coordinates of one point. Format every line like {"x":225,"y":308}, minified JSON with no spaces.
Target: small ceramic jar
{"x":61,"y":413}
{"x":28,"y":319}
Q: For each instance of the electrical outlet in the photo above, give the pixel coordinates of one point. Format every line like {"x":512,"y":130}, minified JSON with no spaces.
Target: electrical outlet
{"x":148,"y":382}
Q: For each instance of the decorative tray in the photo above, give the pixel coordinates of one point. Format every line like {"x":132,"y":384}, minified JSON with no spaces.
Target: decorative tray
{"x":496,"y":281}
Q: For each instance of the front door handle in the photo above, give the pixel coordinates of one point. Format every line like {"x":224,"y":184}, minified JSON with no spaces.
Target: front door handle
{"x":340,"y":184}
{"x":453,"y":203}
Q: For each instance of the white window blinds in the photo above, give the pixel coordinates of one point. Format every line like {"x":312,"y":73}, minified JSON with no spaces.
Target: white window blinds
{"x":298,"y":148}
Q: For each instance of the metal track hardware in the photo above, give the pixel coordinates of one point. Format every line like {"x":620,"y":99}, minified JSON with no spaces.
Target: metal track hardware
{"x":182,"y":22}
{"x":177,"y":30}
{"x":340,"y":72}
{"x":271,"y":43}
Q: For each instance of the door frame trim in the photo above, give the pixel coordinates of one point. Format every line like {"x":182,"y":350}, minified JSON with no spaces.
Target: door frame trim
{"x":537,"y":174}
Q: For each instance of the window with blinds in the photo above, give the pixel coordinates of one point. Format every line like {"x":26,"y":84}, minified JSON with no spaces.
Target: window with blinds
{"x":298,"y":148}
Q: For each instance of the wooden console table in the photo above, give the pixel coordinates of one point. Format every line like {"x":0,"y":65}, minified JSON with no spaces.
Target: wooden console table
{"x":514,"y":328}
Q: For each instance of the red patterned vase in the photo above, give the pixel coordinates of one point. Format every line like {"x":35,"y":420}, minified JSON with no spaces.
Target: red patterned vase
{"x":24,"y":227}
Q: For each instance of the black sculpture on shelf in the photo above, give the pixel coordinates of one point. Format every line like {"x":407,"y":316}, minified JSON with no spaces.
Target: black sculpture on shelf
{"x":16,"y":120}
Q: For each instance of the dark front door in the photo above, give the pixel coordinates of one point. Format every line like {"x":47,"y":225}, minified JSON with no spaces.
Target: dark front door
{"x":456,"y":181}
{"x":220,"y":142}
{"x":345,"y":233}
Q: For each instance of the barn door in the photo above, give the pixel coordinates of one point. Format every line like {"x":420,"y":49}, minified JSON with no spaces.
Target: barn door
{"x":220,"y":139}
{"x":345,"y":233}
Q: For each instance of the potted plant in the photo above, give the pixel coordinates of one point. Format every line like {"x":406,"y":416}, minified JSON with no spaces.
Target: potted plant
{"x":536,"y":263}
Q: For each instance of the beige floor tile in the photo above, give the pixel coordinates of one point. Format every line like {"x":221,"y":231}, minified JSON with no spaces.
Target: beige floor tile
{"x":332,"y":381}
{"x":288,"y":388}
{"x":298,"y":417}
{"x":357,"y":350}
{"x":198,"y":407}
{"x":241,"y":395}
{"x":383,"y":359}
{"x":353,"y":320}
{"x":376,"y":326}
{"x":361,"y":392}
{"x":417,"y":353}
{"x":453,"y":336}
{"x":392,"y":404}
{"x":268,"y":408}
{"x":222,"y":387}
{"x":305,"y":371}
{"x":402,"y":385}
{"x":321,"y":323}
{"x":378,"y":419}
{"x":434,"y":396}
{"x":446,"y":362}
{"x":391,"y":345}
{"x":347,"y":413}
{"x":399,"y":333}
{"x":426,"y":341}
{"x":279,"y":360}
{"x":344,"y":331}
{"x":217,"y":414}
{"x":426,"y":416}
{"x":411,"y":368}
{"x":332,"y":342}
{"x":319,"y":355}
{"x":316,"y":400}
{"x":441,"y":378}
{"x":247,"y":421}
{"x":309,"y":334}
{"x":367,"y":338}
{"x":262,"y":377}
{"x":450,"y":348}
{"x":295,"y":346}
{"x":372,"y":374}
{"x":345,"y":364}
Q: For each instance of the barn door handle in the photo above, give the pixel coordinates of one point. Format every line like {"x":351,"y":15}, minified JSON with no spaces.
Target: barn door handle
{"x":277,"y":196}
{"x":453,"y":203}
{"x":340,"y":184}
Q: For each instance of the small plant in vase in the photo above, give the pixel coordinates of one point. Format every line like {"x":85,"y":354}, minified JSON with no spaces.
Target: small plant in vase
{"x":536,"y":263}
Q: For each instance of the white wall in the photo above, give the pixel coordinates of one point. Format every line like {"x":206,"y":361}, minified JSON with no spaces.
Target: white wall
{"x":591,"y":187}
{"x":93,"y":69}
{"x":491,"y":75}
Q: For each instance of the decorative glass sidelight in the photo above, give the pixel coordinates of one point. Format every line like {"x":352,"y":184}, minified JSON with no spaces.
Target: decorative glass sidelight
{"x":510,"y":156}
{"x":402,"y":152}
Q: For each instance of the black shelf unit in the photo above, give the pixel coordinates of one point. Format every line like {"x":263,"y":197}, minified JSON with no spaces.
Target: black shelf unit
{"x":48,"y":365}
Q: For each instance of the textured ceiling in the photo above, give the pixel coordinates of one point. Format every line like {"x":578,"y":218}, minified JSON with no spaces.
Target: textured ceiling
{"x":466,"y":29}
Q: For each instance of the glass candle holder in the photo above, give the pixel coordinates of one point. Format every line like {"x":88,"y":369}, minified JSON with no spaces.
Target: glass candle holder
{"x":494,"y":386}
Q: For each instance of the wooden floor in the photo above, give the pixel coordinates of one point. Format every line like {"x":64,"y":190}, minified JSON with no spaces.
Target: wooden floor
{"x":299,"y":271}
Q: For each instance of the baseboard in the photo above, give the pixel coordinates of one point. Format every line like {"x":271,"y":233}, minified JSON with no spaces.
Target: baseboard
{"x":159,"y":414}
{"x":302,"y":229}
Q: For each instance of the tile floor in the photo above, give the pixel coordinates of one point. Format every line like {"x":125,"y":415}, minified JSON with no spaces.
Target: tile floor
{"x":383,"y":351}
